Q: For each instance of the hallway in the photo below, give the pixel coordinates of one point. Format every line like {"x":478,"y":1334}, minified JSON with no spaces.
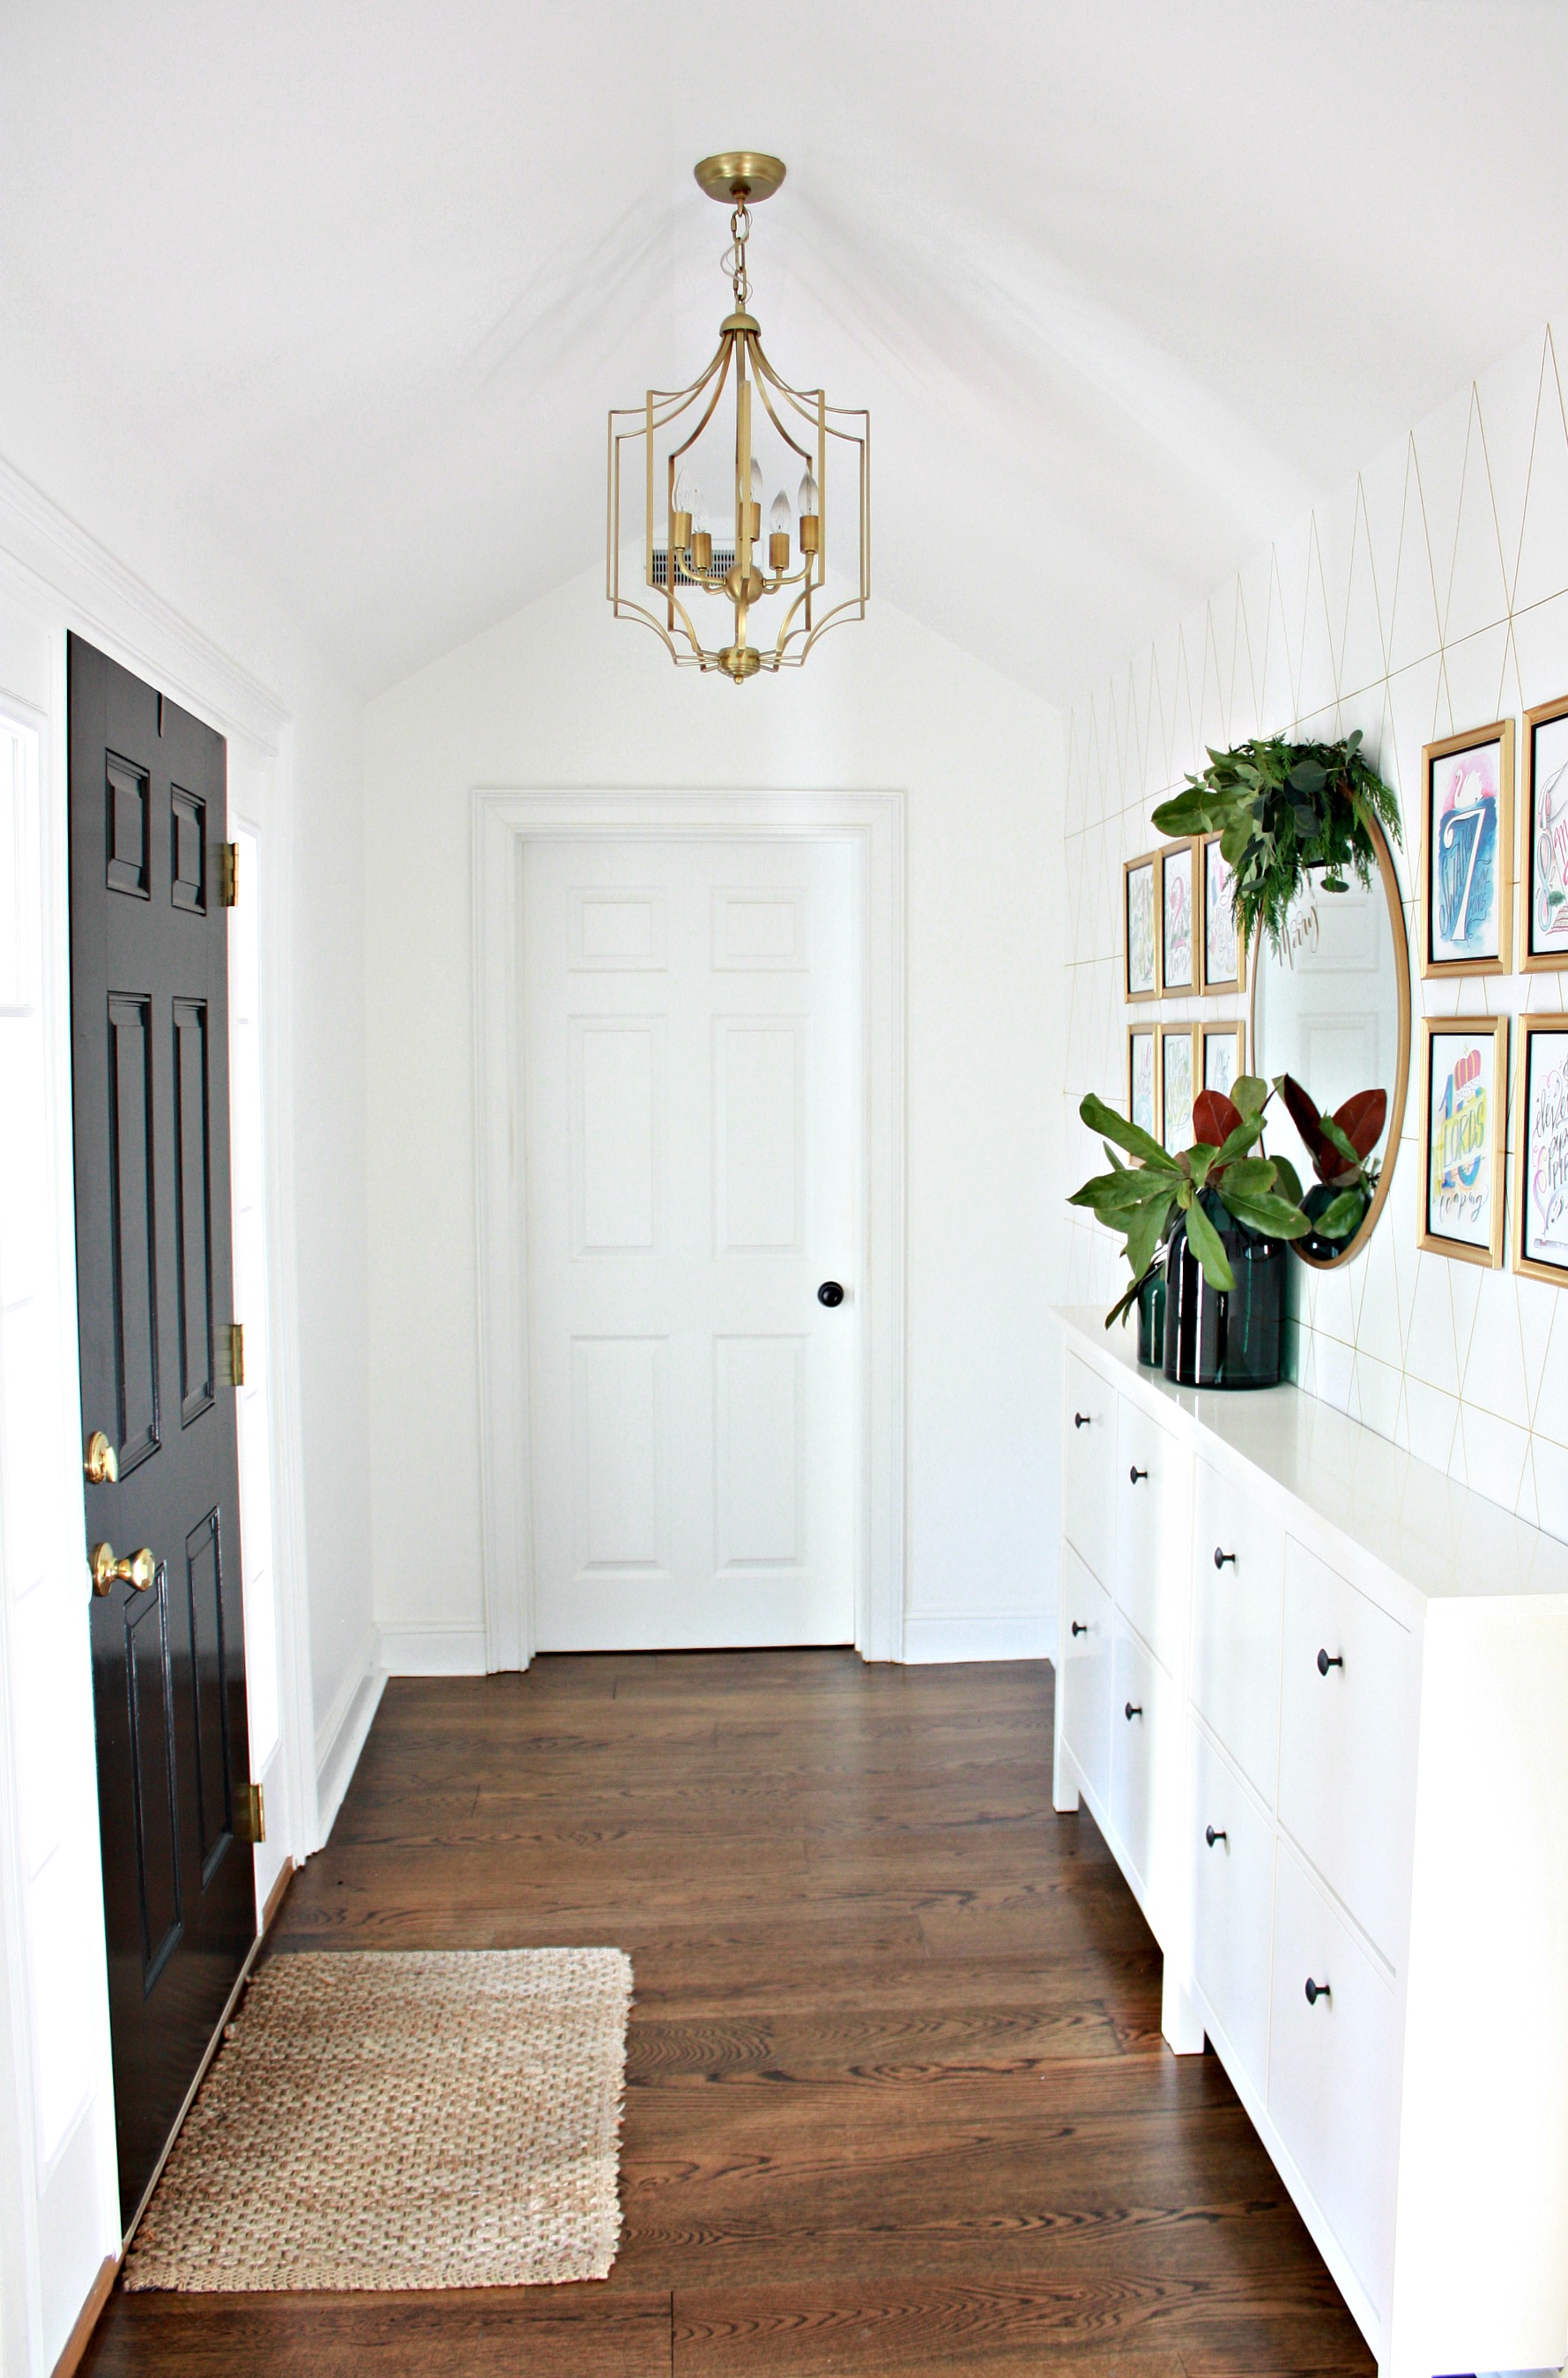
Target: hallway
{"x":897,"y":2099}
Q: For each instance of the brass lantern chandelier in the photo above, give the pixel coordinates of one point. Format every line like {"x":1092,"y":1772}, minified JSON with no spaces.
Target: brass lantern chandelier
{"x":739,"y":430}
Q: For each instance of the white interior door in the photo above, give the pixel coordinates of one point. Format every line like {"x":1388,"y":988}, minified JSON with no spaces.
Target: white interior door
{"x":694,"y":1111}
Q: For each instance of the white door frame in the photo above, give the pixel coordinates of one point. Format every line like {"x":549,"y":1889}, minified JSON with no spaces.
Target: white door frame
{"x":504,"y":822}
{"x":63,"y":2228}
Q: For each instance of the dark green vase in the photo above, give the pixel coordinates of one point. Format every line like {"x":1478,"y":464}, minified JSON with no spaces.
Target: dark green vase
{"x":1151,"y":1322}
{"x":1216,"y":1338}
{"x":1317,"y":1201}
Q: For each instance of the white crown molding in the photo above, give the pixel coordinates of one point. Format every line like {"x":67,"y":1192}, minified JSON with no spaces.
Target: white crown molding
{"x":113,"y":605}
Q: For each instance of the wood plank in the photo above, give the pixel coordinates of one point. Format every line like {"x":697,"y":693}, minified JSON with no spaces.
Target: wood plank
{"x":572,"y":2332}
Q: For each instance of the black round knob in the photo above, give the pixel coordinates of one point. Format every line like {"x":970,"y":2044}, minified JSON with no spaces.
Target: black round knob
{"x":1080,"y":1420}
{"x":1135,"y":1473}
{"x":1220,"y":1559}
{"x":1212,"y":1837}
{"x":1316,"y":1990}
{"x":1079,"y":1628}
{"x":829,"y":1292}
{"x":1325,"y":1663}
{"x":1135,"y":1709}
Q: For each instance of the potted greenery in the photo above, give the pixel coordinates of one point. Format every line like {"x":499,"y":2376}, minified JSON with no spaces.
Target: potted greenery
{"x":1216,"y":1218}
{"x":1280,"y":809}
{"x":1340,"y":1145}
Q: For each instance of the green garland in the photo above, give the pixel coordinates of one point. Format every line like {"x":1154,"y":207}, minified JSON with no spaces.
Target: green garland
{"x":1280,"y":809}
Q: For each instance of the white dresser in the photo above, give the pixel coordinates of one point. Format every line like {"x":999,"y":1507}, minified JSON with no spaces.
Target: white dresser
{"x":1316,"y":1697}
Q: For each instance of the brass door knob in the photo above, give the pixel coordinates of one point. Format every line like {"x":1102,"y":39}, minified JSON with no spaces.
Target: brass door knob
{"x":137,"y":1568}
{"x":102,"y":1467}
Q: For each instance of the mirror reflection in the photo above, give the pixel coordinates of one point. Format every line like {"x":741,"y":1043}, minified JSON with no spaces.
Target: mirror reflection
{"x":1332,"y":1009}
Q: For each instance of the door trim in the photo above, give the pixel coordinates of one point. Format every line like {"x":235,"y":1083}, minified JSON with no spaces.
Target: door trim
{"x":504,"y":821}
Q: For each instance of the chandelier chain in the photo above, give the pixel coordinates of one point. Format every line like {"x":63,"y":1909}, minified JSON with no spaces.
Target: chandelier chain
{"x":733,"y":258}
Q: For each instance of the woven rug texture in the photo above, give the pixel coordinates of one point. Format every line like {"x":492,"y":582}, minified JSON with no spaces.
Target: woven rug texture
{"x":380,"y":2119}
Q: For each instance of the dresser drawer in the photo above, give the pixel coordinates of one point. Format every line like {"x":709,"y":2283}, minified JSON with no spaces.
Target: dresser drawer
{"x":1152,"y":1494}
{"x":1347,"y":1757}
{"x":1083,"y":1673}
{"x":1237,"y":1610}
{"x":1230,"y":1857}
{"x":1088,"y":1459}
{"x":1145,"y":1768}
{"x":1333,"y":2072}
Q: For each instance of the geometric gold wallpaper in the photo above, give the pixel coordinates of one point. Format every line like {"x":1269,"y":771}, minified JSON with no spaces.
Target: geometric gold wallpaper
{"x":1427,"y":597}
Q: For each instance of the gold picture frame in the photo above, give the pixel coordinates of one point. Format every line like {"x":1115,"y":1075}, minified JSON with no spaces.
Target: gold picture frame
{"x":1484,"y":1187}
{"x":1544,"y":842}
{"x":1148,"y":861}
{"x":1214,"y":985}
{"x":1149,"y":1031}
{"x":1171,"y":1037}
{"x":1177,"y":860}
{"x":1453,"y":857}
{"x":1533,"y":1028}
{"x":1221,"y":1034}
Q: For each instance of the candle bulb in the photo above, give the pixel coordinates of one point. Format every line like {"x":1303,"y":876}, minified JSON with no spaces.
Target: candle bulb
{"x":701,"y":537}
{"x":778,"y":540}
{"x":680,"y":515}
{"x":809,"y":504}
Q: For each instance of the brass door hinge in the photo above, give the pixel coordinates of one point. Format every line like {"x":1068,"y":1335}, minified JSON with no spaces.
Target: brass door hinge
{"x":228,"y":874}
{"x":250,"y":1814}
{"x":230,"y":1355}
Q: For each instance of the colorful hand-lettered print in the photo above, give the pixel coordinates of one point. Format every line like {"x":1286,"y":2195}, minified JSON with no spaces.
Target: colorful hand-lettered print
{"x":1177,"y":1087}
{"x":1547,"y":888}
{"x":1142,"y":978}
{"x":1222,"y":1056}
{"x":1140,"y":1079}
{"x":1221,"y":950}
{"x":1466,"y":867}
{"x":1545,"y":1156}
{"x":1462,"y":1119}
{"x":1177,"y":880}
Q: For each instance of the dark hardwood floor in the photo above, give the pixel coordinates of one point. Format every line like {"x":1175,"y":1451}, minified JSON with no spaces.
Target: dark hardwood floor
{"x":897,"y":2100}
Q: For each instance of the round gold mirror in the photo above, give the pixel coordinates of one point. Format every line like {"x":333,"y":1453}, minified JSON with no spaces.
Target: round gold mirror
{"x":1332,"y":1009}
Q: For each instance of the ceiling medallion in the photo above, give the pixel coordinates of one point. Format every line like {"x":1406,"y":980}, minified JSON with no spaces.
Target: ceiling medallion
{"x":739,"y":429}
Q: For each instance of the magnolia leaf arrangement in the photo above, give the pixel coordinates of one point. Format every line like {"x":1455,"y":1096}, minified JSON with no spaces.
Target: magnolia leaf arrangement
{"x":1279,"y":809}
{"x":1145,"y":1200}
{"x":1340,"y":1145}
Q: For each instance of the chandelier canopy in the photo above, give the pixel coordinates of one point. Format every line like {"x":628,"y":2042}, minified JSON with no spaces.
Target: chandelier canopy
{"x":739,"y":429}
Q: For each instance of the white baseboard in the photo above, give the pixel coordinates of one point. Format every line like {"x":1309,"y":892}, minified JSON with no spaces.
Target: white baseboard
{"x":432,"y":1651}
{"x":340,"y":1738}
{"x":1020,"y":1635}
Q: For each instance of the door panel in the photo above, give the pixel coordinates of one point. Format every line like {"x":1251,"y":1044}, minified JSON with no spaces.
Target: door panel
{"x":133,"y":1291}
{"x":193,"y":1209}
{"x":693,"y":1103}
{"x":154,"y":1278}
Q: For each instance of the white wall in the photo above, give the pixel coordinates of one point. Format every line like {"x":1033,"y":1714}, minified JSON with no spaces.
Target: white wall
{"x":1427,"y":595}
{"x":91,"y":538}
{"x":561,"y":696}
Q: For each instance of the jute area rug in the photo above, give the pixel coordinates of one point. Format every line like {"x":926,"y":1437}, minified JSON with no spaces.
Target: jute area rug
{"x":387,"y":2120}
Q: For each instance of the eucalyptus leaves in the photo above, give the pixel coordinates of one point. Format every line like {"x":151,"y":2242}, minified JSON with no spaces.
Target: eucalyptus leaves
{"x":1279,"y":809}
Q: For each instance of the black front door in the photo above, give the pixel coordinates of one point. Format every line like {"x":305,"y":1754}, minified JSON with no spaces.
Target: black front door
{"x":149,"y":1036}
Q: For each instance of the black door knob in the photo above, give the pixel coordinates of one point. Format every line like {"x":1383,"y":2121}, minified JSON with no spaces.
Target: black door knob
{"x":1080,"y":1420}
{"x":1325,"y":1663}
{"x":829,"y":1292}
{"x":1135,"y":1709}
{"x":1079,"y":1628}
{"x":1134,"y":1474}
{"x":1316,"y":1990}
{"x":1212,"y":1837}
{"x":1220,"y":1559}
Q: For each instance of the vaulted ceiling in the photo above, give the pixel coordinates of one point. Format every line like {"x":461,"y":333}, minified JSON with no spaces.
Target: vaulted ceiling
{"x":1124,"y":284}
